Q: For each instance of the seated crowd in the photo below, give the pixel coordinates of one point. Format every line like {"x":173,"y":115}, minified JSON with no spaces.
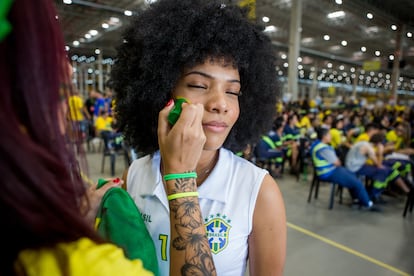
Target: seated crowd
{"x":368,"y":151}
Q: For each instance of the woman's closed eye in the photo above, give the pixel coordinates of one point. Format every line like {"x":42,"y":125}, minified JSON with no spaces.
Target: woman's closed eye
{"x":237,"y":93}
{"x":197,"y":86}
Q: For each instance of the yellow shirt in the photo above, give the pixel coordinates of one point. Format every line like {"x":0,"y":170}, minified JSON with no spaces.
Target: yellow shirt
{"x":102,"y":123}
{"x":336,"y":137}
{"x":75,"y":108}
{"x":392,"y":137}
{"x":304,"y":122}
{"x":362,"y":137}
{"x":82,"y":257}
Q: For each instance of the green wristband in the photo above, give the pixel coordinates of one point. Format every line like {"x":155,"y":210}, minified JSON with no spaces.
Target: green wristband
{"x":173,"y":176}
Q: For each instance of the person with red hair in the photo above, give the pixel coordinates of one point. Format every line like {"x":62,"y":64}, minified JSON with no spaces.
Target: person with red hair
{"x":47,"y":207}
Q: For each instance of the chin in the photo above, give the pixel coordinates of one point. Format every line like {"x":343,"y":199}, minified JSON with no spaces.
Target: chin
{"x":213,"y":144}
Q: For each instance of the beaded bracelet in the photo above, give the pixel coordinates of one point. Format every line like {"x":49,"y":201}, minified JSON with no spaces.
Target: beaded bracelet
{"x":173,"y":176}
{"x":181,"y":195}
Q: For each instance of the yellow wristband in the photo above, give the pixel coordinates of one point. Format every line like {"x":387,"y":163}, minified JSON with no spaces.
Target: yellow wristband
{"x":181,"y":195}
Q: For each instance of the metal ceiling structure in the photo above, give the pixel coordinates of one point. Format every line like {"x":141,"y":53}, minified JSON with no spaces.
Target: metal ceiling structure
{"x":354,"y":37}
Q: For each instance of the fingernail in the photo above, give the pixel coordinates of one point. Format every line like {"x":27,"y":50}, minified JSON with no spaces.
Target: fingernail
{"x":169,"y":102}
{"x":116,"y":180}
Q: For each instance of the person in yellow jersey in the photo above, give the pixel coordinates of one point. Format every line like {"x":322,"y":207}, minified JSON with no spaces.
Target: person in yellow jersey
{"x":49,"y":210}
{"x":338,"y":139}
{"x":77,"y":112}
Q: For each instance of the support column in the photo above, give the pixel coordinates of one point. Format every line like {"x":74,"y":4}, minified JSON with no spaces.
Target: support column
{"x":396,"y":64}
{"x":355,"y":83}
{"x":100,"y":75}
{"x":294,"y":47}
{"x":314,"y":88}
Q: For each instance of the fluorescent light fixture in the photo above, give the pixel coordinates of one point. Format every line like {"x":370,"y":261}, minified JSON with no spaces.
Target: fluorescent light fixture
{"x":270,"y":29}
{"x":265,"y":19}
{"x":336,"y":14}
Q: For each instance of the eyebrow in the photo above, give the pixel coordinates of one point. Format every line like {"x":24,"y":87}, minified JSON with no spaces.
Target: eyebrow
{"x":208,"y":76}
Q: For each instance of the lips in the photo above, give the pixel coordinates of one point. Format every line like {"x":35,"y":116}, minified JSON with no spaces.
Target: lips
{"x":215,"y":126}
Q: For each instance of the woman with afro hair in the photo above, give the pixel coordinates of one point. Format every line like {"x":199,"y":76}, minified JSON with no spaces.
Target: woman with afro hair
{"x":224,"y":66}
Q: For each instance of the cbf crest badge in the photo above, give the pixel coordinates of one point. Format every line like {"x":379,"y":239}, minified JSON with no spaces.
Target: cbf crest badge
{"x":218,"y":228}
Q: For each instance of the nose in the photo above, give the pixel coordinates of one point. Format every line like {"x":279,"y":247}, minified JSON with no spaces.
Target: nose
{"x":217,"y":101}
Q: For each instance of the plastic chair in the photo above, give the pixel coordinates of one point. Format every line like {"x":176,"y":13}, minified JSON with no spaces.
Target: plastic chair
{"x":334,"y":187}
{"x":409,"y":203}
{"x":112,"y":154}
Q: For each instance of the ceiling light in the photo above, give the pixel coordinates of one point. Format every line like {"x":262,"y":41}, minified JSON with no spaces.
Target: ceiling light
{"x":97,"y":51}
{"x":370,"y":15}
{"x":93,"y":32}
{"x":114,"y":20}
{"x":68,"y":2}
{"x":88,"y":36}
{"x":128,"y":12}
{"x":67,"y":48}
{"x":326,"y":37}
{"x":409,"y":34}
{"x":307,"y":40}
{"x":391,"y":57}
{"x":363,"y":49}
{"x":283,"y":56}
{"x":270,"y":29}
{"x":336,"y":14}
{"x":105,"y":25}
{"x":344,"y":42}
{"x":377,"y":53}
{"x":265,"y":19}
{"x":75,"y":43}
{"x":393,"y":27}
{"x":339,"y":2}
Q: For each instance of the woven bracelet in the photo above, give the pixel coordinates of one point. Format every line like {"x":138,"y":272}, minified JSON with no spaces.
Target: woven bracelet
{"x":173,"y":176}
{"x":181,"y":195}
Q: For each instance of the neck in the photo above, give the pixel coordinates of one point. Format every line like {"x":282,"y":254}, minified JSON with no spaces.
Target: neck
{"x":206,"y":165}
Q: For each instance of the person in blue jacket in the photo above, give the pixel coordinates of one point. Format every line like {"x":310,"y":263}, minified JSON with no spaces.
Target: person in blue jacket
{"x":329,"y":168}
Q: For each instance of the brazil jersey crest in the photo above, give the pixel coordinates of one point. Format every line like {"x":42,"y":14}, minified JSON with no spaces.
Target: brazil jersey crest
{"x":218,"y":228}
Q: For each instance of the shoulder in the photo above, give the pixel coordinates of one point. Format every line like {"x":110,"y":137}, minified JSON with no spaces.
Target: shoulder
{"x":81,"y":257}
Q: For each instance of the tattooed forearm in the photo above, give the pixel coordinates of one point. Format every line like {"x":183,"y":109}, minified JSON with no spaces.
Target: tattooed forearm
{"x":188,"y":231}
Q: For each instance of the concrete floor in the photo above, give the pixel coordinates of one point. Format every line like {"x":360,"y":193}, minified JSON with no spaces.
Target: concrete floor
{"x":340,"y":242}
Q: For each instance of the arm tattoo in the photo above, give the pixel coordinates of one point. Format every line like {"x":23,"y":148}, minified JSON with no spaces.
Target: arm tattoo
{"x":190,"y":229}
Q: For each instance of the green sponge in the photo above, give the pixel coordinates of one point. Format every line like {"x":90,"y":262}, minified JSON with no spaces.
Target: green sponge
{"x":176,"y":111}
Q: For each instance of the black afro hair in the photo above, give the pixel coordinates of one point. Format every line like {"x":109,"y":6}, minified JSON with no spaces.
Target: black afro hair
{"x":172,"y":35}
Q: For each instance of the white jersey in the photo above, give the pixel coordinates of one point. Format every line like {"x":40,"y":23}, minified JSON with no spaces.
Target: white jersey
{"x":227,"y":200}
